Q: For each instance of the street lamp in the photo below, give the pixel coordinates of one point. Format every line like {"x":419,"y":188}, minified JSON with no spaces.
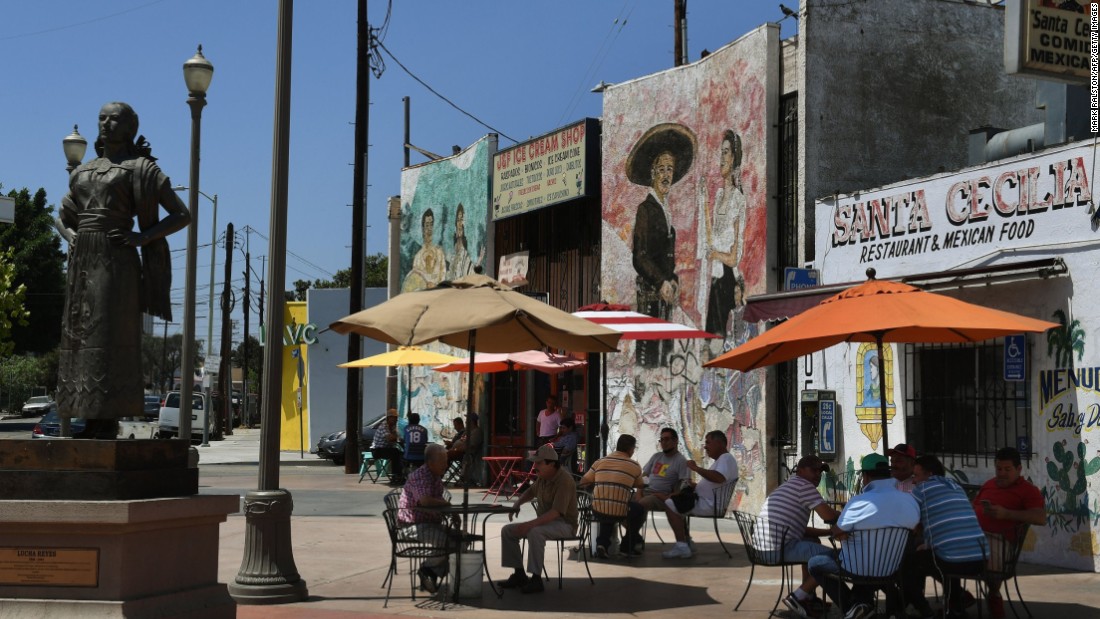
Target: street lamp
{"x":197,"y":73}
{"x":74,"y":145}
{"x":210,"y":305}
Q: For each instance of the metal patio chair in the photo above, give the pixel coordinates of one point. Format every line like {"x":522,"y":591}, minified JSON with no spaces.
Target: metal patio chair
{"x":722,"y":496}
{"x":759,"y":537}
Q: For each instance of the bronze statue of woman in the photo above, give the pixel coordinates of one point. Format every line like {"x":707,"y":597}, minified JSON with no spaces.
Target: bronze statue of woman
{"x":100,"y":376}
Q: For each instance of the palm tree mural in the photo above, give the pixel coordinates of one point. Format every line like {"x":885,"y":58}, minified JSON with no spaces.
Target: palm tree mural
{"x":1066,"y":339}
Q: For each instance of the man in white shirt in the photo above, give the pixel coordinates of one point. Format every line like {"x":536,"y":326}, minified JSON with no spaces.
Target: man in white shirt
{"x":723,"y":470}
{"x":548,"y":420}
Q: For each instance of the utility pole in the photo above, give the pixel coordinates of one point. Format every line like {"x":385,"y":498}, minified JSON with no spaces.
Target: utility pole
{"x":358,"y":230}
{"x":226,"y":368}
{"x":245,"y":419}
{"x":679,"y":28}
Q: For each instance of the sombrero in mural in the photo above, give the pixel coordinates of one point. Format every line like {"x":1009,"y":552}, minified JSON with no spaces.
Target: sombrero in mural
{"x":673,"y":138}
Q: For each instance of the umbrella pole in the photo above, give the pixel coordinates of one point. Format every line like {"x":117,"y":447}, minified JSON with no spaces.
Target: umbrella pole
{"x":605,"y":427}
{"x":469,"y":416}
{"x":882,"y":393}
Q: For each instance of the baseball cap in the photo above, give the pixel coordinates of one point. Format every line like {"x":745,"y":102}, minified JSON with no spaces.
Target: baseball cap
{"x":874,"y":462}
{"x":903,"y":449}
{"x":544,"y":453}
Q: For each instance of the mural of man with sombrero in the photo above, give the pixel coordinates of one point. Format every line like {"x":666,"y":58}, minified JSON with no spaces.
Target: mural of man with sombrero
{"x":660,"y":158}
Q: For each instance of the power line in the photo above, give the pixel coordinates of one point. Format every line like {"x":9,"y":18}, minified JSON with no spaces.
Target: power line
{"x":436,"y":93}
{"x":78,"y":24}
{"x":597,"y":60}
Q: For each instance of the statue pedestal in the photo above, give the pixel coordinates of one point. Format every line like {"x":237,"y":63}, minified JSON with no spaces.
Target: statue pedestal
{"x":143,"y":558}
{"x":106,"y":529}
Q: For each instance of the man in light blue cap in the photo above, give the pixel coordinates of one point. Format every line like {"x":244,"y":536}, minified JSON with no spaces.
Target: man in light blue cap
{"x":879,"y":506}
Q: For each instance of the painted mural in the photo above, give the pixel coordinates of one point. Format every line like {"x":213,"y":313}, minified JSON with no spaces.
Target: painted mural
{"x":444,"y":217}
{"x":684,"y":239}
{"x":1035,"y":205}
{"x":868,"y":398}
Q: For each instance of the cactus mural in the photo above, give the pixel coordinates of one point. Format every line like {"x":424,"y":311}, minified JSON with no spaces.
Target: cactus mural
{"x":1066,"y":496}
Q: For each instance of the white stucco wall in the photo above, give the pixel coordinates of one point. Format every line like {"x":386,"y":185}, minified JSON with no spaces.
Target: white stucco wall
{"x":1018,"y":209}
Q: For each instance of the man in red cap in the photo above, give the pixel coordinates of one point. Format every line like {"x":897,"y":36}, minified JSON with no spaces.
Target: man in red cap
{"x":902,"y":459}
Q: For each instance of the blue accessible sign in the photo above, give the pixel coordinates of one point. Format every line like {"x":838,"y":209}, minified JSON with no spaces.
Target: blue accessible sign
{"x":1015,"y":359}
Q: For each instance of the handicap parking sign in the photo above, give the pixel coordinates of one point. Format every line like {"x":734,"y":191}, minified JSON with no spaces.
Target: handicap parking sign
{"x":1015,"y":358}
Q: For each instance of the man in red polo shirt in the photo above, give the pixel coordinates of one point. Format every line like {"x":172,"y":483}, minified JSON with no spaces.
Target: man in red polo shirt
{"x":1004,"y":502}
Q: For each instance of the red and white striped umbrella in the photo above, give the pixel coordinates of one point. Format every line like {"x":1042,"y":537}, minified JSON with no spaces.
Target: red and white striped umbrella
{"x":635,"y":326}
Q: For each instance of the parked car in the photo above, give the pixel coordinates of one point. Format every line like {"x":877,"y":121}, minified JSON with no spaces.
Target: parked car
{"x":170,"y":417}
{"x":331,"y":446}
{"x":38,"y":405}
{"x":152,"y":407}
{"x":50,"y":426}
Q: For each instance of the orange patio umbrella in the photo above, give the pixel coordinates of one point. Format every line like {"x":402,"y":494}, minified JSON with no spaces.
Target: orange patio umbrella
{"x":880,"y":312}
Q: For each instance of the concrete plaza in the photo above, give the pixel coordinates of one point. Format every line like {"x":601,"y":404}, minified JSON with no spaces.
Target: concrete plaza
{"x":342,"y":551}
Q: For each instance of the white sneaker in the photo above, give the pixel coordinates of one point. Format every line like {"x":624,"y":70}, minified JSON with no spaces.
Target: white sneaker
{"x":679,"y":550}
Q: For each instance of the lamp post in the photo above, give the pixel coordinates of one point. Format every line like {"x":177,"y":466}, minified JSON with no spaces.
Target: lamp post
{"x":197,"y":73}
{"x":210,"y":304}
{"x":74,"y":145}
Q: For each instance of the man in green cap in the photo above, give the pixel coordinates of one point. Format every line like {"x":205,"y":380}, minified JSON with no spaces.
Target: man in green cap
{"x":879,"y":506}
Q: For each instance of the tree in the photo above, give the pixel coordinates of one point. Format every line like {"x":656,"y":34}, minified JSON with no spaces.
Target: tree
{"x":12,"y":313}
{"x":39,"y":265}
{"x":255,"y":362}
{"x":375,"y":275}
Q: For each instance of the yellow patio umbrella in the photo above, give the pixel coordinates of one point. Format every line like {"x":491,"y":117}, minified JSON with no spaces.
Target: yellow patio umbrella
{"x":404,"y":355}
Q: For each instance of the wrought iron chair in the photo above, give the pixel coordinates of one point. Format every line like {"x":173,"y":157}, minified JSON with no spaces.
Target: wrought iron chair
{"x":1004,"y":554}
{"x":722,"y":496}
{"x":764,"y":547}
{"x":584,"y":524}
{"x":611,"y":503}
{"x":871,"y":558}
{"x":405,"y":545}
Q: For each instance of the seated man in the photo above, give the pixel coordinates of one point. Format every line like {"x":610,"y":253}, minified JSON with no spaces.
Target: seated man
{"x":456,"y":446}
{"x":1004,"y":502}
{"x":880,"y":505}
{"x":565,"y":443}
{"x":723,"y":469}
{"x":424,"y":488}
{"x":953,"y":540}
{"x":617,"y":467}
{"x":385,"y":446}
{"x":902,"y":459}
{"x":665,"y":471}
{"x":416,"y":438}
{"x":471,"y":457}
{"x":556,"y":518}
{"x":788,"y":509}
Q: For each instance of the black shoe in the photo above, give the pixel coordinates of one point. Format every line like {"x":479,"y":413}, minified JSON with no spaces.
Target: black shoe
{"x":534,"y":585}
{"x":428,"y":580}
{"x":601,"y":552}
{"x":514,"y":581}
{"x":633,"y":551}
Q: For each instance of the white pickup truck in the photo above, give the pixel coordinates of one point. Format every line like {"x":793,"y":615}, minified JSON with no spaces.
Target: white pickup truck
{"x":134,"y":427}
{"x":169,"y":423}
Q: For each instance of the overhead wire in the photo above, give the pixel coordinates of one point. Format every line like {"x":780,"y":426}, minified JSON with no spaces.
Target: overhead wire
{"x":598,"y":59}
{"x":438,"y":94}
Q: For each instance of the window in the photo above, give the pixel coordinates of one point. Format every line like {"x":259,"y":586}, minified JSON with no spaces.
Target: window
{"x":958,"y":404}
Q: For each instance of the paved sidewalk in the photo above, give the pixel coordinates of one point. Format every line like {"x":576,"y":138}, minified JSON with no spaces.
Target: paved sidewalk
{"x":344,"y":559}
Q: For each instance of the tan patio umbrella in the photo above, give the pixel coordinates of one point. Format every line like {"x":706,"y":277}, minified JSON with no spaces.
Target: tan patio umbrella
{"x":477,"y":307}
{"x":407,"y":356}
{"x":878,"y":311}
{"x":476,"y":312}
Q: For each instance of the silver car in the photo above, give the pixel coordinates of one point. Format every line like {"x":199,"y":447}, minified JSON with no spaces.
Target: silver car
{"x":38,"y":405}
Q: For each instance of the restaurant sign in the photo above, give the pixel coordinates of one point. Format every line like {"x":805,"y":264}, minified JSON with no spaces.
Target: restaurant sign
{"x":546,"y":170}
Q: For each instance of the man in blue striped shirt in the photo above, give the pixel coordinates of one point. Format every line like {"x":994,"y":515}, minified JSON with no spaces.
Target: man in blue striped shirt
{"x":954,"y":542}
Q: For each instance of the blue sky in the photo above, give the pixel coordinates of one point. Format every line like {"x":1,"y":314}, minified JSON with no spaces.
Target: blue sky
{"x":525,"y":68}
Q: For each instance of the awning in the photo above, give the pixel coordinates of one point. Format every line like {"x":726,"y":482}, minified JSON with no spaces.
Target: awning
{"x":783,"y":305}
